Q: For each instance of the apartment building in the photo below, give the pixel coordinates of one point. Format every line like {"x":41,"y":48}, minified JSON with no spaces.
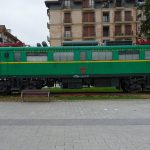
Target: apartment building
{"x":100,"y":20}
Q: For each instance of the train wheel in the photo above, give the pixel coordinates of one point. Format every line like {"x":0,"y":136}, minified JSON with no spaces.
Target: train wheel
{"x":125,"y":86}
{"x":128,"y":87}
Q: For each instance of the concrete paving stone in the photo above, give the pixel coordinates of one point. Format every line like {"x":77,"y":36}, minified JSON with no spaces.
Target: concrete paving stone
{"x":80,"y":125}
{"x":69,"y":148}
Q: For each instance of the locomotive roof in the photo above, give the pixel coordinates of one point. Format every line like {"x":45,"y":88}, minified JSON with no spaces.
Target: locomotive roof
{"x":127,"y":47}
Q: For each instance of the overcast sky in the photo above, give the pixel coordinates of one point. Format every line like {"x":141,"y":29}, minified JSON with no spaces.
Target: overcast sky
{"x":27,"y":19}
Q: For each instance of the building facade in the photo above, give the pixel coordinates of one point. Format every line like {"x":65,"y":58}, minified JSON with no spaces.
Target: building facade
{"x":6,"y":36}
{"x":100,"y":20}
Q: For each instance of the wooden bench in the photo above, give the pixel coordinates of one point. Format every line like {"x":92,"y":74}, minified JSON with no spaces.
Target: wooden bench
{"x":35,"y":93}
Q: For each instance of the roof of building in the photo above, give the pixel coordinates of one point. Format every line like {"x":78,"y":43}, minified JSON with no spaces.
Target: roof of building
{"x":7,"y":33}
{"x":49,"y":2}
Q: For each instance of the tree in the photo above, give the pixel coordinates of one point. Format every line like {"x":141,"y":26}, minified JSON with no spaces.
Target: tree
{"x":145,"y":26}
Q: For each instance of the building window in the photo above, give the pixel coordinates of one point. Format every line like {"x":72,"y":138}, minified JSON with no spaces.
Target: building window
{"x":17,"y":56}
{"x":106,"y":17}
{"x":147,"y":54}
{"x":88,"y":31}
{"x":117,"y":16}
{"x":63,"y":56}
{"x":128,"y":16}
{"x":67,"y":3}
{"x":128,"y":55}
{"x":39,"y":57}
{"x":106,"y":31}
{"x":118,"y":30}
{"x":118,"y":3}
{"x":67,"y":17}
{"x":88,"y":17}
{"x":67,"y":32}
{"x":88,"y":3}
{"x":104,"y":55}
{"x":128,"y":30}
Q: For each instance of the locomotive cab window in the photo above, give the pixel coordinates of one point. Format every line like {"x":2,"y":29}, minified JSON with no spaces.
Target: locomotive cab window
{"x":6,"y":55}
{"x":63,"y":56}
{"x":128,"y":55}
{"x":41,"y":56}
{"x":147,"y":55}
{"x":104,"y":55}
{"x":17,"y":56}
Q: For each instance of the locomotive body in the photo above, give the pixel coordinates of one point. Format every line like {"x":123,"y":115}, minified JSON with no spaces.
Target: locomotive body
{"x":125,"y":67}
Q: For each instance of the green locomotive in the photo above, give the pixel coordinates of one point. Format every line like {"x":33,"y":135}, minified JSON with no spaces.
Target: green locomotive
{"x":125,"y":67}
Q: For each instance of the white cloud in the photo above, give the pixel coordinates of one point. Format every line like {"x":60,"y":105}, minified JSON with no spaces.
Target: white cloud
{"x":26,"y":18}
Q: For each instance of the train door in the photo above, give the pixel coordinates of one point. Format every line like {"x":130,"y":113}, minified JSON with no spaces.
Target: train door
{"x":83,"y":57}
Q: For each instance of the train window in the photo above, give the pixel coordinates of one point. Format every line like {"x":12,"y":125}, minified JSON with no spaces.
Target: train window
{"x":128,"y":55}
{"x":17,"y":56}
{"x":147,"y":54}
{"x":82,"y":55}
{"x":37,"y":56}
{"x":104,"y":55}
{"x":63,"y":56}
{"x":6,"y":55}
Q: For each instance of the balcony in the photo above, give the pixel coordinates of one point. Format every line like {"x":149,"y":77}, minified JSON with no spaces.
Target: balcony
{"x":89,"y":6}
{"x":88,"y":34}
{"x":126,"y":34}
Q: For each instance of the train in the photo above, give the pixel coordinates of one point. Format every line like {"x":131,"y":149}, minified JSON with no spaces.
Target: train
{"x":125,"y":67}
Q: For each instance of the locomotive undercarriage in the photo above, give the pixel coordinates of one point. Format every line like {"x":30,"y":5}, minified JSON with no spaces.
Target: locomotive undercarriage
{"x":127,"y":84}
{"x":15,"y":85}
{"x":130,"y":84}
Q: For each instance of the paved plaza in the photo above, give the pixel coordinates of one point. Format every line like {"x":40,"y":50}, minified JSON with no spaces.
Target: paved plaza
{"x":75,"y":125}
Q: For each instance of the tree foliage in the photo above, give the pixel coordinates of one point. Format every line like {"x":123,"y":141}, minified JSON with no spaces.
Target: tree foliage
{"x":145,"y":26}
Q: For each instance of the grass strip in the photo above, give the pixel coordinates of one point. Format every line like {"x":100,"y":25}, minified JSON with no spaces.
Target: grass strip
{"x":85,"y":90}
